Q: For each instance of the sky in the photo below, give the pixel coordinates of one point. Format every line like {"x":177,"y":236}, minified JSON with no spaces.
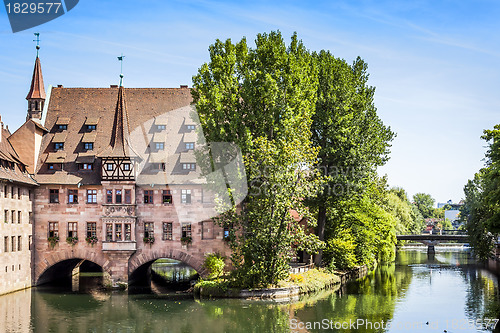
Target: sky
{"x":435,"y":64}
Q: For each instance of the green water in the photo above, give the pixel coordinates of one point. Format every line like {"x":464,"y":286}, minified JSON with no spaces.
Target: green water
{"x":447,"y":291}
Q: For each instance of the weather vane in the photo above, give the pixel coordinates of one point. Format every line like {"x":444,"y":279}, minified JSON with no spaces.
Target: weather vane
{"x":120,"y":58}
{"x":37,"y":40}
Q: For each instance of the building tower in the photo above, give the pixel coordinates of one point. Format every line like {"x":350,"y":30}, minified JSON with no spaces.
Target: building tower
{"x":36,"y":95}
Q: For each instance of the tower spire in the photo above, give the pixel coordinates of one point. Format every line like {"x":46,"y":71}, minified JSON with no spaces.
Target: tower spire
{"x":36,"y":95}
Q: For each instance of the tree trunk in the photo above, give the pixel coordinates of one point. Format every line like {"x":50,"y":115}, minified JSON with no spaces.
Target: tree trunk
{"x":321,"y":232}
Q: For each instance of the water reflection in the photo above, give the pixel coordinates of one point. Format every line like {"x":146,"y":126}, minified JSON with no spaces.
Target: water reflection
{"x":444,"y":290}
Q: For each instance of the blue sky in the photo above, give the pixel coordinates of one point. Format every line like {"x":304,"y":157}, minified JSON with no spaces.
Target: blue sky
{"x":435,"y":64}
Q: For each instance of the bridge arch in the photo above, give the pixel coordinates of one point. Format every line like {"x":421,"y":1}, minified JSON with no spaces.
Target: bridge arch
{"x":63,"y":261}
{"x":144,"y":260}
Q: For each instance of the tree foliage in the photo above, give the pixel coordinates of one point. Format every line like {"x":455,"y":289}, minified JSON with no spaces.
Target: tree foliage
{"x":351,"y":138}
{"x":263,"y":99}
{"x":481,"y":209}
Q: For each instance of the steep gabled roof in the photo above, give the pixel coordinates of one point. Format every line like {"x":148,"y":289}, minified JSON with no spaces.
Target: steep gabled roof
{"x":37,"y":91}
{"x":119,"y":145}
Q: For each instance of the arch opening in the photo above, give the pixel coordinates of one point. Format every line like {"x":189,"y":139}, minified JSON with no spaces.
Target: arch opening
{"x":163,"y":276}
{"x":76,"y":274}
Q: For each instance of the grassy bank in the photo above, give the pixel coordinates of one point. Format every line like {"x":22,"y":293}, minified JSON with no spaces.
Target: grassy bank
{"x":302,"y":283}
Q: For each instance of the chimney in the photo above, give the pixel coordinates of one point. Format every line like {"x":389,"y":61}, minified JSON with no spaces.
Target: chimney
{"x":184,"y":86}
{"x":113,"y":86}
{"x":59,"y":86}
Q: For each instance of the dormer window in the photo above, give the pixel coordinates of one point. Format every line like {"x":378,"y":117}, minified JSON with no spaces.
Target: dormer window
{"x":86,"y":166}
{"x":188,"y":166}
{"x":91,"y":124}
{"x":88,"y":145}
{"x":62,"y":123}
{"x":161,"y":127}
{"x":59,"y":146}
{"x":190,"y":127}
{"x":159,"y":145}
{"x":189,"y":145}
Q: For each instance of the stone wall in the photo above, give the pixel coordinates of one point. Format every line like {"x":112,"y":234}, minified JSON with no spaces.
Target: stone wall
{"x":15,"y":257}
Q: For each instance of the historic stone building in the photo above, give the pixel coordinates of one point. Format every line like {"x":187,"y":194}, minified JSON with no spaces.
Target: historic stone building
{"x":17,"y":159}
{"x":119,"y":184}
{"x":106,"y":175}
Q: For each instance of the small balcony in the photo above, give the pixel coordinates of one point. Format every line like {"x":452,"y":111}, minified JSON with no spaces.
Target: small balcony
{"x":119,"y":246}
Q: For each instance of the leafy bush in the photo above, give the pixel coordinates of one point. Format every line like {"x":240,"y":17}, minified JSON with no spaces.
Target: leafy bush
{"x":340,"y":254}
{"x":215,"y":264}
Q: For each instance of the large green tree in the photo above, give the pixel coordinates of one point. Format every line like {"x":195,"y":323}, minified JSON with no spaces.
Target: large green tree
{"x":425,"y":204}
{"x":263,"y":99}
{"x":351,"y":138}
{"x":481,"y":209}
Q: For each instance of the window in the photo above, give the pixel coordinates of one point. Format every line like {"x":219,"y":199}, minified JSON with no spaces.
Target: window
{"x":118,"y":232}
{"x":73,"y":196}
{"x":159,"y":145}
{"x":109,"y":232}
{"x":167,"y":197}
{"x":128,"y":231}
{"x":91,"y":229}
{"x":161,"y":127}
{"x":50,"y":166}
{"x":185,"y":196}
{"x":19,"y":243}
{"x":12,"y":192}
{"x":6,"y":215}
{"x":62,"y":127}
{"x":85,"y":166}
{"x":126,"y":166}
{"x":128,"y":196}
{"x":109,"y":166}
{"x":30,"y":217}
{"x":91,"y":196}
{"x":54,"y":196}
{"x":149,"y":230}
{"x":19,"y":215}
{"x":53,"y":229}
{"x":167,"y":230}
{"x":6,"y":244}
{"x":190,"y":127}
{"x":88,"y":145}
{"x":188,"y":166}
{"x":189,"y":145}
{"x":72,"y":229}
{"x":13,"y":247}
{"x":109,"y":196}
{"x":5,"y":191}
{"x":148,"y":196}
{"x":30,"y":241}
{"x":186,"y":230}
{"x":13,"y":216}
{"x":91,"y":127}
{"x":59,"y":145}
{"x":19,"y":193}
{"x":118,"y":196}
{"x":226,"y":233}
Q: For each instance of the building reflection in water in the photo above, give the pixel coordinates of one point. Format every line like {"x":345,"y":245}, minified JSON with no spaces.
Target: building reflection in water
{"x":15,"y":311}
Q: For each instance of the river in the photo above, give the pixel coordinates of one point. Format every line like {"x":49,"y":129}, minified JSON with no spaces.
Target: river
{"x":416,"y":293}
